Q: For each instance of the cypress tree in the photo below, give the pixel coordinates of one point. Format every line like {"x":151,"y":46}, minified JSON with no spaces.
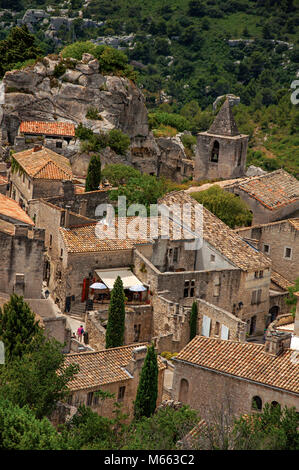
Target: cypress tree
{"x":116,"y":316}
{"x":193,"y":320}
{"x":18,"y":327}
{"x":93,"y":174}
{"x":147,"y":392}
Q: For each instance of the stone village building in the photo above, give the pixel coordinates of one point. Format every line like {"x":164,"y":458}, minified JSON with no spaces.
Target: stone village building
{"x":216,"y":376}
{"x":229,"y":278}
{"x":270,"y":197}
{"x":280,"y":242}
{"x":56,"y":136}
{"x":37,"y":173}
{"x":114,"y":370}
{"x":21,"y":251}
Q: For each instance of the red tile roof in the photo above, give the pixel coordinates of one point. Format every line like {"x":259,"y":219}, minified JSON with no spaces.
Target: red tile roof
{"x":103,"y":367}
{"x":273,"y":190}
{"x":10,"y":209}
{"x":243,"y":360}
{"x":65,"y":129}
{"x":44,"y":164}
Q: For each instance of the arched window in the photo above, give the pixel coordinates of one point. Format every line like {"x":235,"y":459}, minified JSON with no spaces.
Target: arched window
{"x":184,"y":388}
{"x":257,"y":403}
{"x":274,"y":404}
{"x":215,"y":152}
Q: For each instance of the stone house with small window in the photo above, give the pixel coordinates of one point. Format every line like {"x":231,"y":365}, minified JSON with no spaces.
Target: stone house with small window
{"x":211,"y":375}
{"x":280,"y":242}
{"x":57,"y":136}
{"x":114,"y":370}
{"x":270,"y":197}
{"x":38,"y":173}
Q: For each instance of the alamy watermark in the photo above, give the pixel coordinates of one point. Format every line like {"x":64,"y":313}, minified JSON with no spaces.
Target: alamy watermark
{"x":176,"y":221}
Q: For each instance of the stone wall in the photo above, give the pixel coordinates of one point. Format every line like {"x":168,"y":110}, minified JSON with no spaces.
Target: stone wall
{"x":278,"y":236}
{"x":209,"y":391}
{"x":21,"y":261}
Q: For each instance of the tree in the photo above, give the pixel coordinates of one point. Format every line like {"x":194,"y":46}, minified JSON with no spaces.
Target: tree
{"x":193,"y":320}
{"x":38,"y":379}
{"x":116,"y":316}
{"x":118,"y":141}
{"x":18,"y":327}
{"x":93,"y":177}
{"x":18,"y":47}
{"x":162,"y":430}
{"x":144,"y":189}
{"x":226,"y":206}
{"x":275,"y":428}
{"x":147,"y":392}
{"x":21,"y":430}
{"x":118,"y":173}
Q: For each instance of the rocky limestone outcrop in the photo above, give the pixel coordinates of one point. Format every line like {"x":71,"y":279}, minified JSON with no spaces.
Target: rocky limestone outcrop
{"x":34,"y":93}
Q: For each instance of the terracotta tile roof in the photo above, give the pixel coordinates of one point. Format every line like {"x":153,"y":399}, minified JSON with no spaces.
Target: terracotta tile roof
{"x":294,"y":222}
{"x":220,"y":236}
{"x":44,"y":164}
{"x":280,"y":280}
{"x":65,"y":129}
{"x":244,"y":360}
{"x":273,"y":190}
{"x":103,"y":367}
{"x":83,"y":239}
{"x":10,"y":209}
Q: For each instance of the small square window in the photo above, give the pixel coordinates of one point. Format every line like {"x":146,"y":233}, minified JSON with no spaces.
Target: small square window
{"x":212,"y":258}
{"x":288,"y":252}
{"x":266,"y":248}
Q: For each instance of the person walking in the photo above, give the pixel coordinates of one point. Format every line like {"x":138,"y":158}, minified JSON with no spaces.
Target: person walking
{"x":80,"y":333}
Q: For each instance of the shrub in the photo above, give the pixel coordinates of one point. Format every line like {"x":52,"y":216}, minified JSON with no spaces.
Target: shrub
{"x":59,"y":70}
{"x":93,"y":113}
{"x":169,"y":119}
{"x":118,"y":141}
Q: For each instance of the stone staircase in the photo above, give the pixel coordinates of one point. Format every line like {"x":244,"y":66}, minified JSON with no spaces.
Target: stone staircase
{"x":78,"y":311}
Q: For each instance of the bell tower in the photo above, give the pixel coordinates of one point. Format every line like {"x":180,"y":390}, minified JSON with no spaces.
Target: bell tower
{"x":221,"y":151}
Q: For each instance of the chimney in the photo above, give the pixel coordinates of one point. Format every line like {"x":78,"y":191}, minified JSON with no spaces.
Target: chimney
{"x":67,"y":216}
{"x":137,"y":360}
{"x":277,"y":341}
{"x":68,"y":189}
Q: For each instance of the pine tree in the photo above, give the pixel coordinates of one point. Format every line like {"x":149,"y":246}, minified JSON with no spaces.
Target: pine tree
{"x":18,"y":327}
{"x":116,"y":316}
{"x":93,"y":174}
{"x":193,"y":320}
{"x":147,"y":392}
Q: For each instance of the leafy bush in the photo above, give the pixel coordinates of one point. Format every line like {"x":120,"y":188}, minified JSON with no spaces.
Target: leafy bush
{"x":226,"y":206}
{"x":93,"y":113}
{"x":174,"y":120}
{"x":118,"y":174}
{"x":59,"y":70}
{"x":165,"y":131}
{"x":118,"y":141}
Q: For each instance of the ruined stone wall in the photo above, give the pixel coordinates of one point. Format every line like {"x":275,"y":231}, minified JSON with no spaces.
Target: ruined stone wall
{"x":84,"y":204}
{"x":22,"y":253}
{"x":208,"y":390}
